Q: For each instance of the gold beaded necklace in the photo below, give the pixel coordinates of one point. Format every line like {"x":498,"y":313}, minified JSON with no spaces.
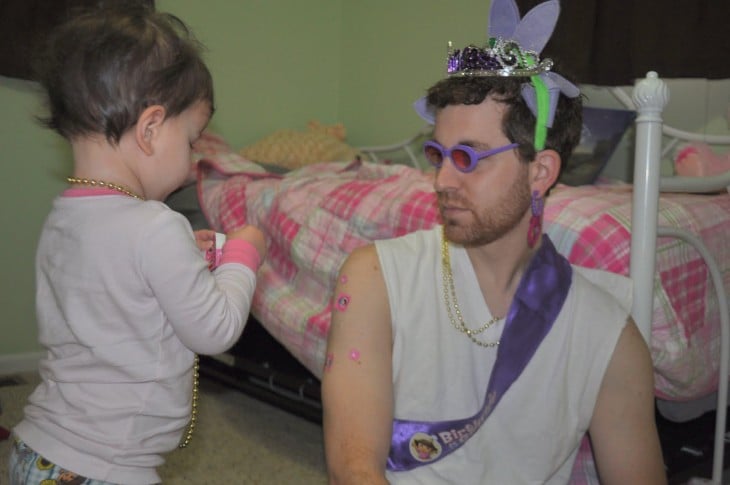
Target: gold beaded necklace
{"x":194,"y":412}
{"x":101,"y":183}
{"x":196,"y":365}
{"x":450,"y":300}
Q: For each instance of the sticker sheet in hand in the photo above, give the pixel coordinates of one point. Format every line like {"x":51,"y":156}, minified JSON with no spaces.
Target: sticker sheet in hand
{"x":214,"y":253}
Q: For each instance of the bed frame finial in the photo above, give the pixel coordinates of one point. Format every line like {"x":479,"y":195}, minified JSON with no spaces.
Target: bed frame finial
{"x":650,"y":96}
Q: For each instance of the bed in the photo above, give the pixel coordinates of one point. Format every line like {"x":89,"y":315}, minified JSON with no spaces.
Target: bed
{"x":315,"y":215}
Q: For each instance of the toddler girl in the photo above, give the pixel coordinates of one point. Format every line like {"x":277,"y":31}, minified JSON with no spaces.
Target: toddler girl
{"x":125,"y":300}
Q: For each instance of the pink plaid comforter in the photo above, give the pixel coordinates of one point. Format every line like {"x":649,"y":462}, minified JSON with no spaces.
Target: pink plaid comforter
{"x":313,"y":219}
{"x":315,"y":216}
{"x":591,"y":226}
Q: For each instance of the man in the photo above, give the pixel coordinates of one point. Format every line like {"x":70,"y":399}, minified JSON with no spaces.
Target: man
{"x":474,"y":352}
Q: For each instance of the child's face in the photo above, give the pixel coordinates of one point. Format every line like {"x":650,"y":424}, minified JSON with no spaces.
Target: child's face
{"x":174,"y":158}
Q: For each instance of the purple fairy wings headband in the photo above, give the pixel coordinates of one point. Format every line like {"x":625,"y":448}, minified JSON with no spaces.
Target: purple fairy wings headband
{"x":513,"y":50}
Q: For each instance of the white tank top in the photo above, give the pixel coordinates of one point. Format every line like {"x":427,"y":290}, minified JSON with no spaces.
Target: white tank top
{"x":533,"y":434}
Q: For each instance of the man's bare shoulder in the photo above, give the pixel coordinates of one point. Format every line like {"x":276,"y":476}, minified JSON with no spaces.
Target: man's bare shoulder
{"x":362,"y":262}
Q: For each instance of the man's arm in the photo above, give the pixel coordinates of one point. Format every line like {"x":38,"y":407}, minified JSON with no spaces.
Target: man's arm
{"x":623,"y":428}
{"x":357,"y":382}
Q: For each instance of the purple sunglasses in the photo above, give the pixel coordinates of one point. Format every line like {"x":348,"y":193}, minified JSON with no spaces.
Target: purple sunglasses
{"x":463,"y":157}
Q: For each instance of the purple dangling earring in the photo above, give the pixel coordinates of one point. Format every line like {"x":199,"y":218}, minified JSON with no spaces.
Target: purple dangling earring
{"x":537,"y":204}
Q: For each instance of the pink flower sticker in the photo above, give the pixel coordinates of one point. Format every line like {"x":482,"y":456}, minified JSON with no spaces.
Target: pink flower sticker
{"x":355,"y":355}
{"x":342,"y":301}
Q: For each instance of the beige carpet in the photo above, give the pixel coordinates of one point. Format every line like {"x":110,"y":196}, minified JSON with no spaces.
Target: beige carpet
{"x":239,"y":440}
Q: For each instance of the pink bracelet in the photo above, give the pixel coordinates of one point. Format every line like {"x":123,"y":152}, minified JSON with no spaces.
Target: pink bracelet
{"x":241,"y":251}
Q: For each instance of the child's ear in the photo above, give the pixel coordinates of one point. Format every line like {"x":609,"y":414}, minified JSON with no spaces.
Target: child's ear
{"x":148,"y":126}
{"x":544,"y":170}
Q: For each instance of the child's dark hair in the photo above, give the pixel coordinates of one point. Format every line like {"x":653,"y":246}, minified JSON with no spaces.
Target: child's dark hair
{"x":102,"y":69}
{"x":519,"y":122}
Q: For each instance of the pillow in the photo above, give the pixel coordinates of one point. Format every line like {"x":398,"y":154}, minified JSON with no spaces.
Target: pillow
{"x":292,"y":149}
{"x":214,"y":149}
{"x":603,"y":129}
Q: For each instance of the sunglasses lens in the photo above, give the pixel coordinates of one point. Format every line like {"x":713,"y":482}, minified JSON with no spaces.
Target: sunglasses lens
{"x":433,"y":155}
{"x":461,"y":159}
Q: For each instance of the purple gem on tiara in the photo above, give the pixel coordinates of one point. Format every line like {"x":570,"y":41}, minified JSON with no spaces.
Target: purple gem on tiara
{"x":473,"y":58}
{"x":467,"y":57}
{"x":492,"y":63}
{"x":482,"y":57}
{"x":453,"y":62}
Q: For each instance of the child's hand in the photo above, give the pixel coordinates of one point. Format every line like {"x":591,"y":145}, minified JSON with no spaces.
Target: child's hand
{"x":205,"y":239}
{"x":253,"y":235}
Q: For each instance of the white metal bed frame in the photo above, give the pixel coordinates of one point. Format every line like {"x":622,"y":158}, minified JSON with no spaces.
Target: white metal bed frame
{"x":654,"y":140}
{"x":376,"y":152}
{"x":650,"y":96}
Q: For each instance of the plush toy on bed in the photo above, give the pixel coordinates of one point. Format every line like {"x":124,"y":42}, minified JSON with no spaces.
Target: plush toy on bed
{"x":699,"y":160}
{"x":293,"y":149}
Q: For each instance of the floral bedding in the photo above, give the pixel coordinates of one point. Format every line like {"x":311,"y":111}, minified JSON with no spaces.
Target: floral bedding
{"x":314,"y":216}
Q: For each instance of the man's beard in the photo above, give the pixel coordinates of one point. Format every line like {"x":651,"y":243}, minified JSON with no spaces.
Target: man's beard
{"x":488,"y":224}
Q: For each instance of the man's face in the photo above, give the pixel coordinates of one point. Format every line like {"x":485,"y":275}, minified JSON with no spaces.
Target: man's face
{"x":492,"y":201}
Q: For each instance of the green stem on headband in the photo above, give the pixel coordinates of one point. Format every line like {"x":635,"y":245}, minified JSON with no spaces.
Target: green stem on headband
{"x":543,"y":106}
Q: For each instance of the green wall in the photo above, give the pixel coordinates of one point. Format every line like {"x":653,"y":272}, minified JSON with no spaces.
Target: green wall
{"x":33,"y":161}
{"x":392,"y":51}
{"x":276,"y":64}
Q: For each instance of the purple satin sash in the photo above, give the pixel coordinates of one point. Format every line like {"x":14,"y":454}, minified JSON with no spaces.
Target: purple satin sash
{"x":536,"y":305}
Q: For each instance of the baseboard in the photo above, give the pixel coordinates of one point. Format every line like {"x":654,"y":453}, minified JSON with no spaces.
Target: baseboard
{"x":23,"y":362}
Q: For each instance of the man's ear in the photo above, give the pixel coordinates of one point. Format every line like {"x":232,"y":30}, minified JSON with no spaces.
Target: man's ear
{"x":544,"y":170}
{"x":148,"y":127}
